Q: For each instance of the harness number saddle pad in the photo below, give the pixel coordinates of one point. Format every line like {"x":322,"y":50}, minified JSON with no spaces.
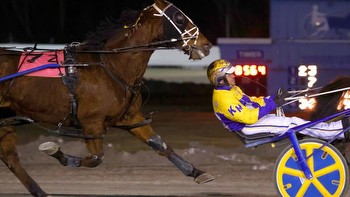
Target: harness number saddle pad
{"x":36,"y":59}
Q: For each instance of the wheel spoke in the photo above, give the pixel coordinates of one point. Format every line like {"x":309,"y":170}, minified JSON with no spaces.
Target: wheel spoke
{"x":293,"y":172}
{"x":320,"y":187}
{"x":326,"y":170}
{"x":303,"y":188}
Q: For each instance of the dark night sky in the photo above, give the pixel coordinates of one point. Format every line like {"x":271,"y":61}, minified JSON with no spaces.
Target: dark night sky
{"x":65,"y":21}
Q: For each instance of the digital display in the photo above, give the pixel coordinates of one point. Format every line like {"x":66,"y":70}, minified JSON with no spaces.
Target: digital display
{"x":250,"y":70}
{"x":308,"y":74}
{"x":252,"y":78}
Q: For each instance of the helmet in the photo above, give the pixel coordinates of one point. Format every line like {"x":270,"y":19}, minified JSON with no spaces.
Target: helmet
{"x":217,"y":70}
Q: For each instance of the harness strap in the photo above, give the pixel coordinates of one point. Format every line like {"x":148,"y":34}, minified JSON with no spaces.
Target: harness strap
{"x":21,"y":120}
{"x":70,"y":80}
{"x":75,"y":133}
{"x":134,"y":90}
{"x":133,"y":126}
{"x":116,"y":79}
{"x":66,"y":131}
{"x":15,"y":121}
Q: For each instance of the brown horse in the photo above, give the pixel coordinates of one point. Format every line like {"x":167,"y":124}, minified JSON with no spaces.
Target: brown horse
{"x":329,"y":104}
{"x":104,"y":94}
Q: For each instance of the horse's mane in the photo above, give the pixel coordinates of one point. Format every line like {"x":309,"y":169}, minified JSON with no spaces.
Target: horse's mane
{"x":327,"y":104}
{"x":108,"y":27}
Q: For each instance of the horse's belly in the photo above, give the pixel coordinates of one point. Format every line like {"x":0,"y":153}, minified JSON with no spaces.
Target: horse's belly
{"x":43,"y":99}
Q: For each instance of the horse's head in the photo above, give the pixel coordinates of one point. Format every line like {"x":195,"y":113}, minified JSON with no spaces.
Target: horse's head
{"x":178,"y":29}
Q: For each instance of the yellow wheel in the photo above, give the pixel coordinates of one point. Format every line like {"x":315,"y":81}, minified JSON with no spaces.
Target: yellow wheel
{"x":328,"y":167}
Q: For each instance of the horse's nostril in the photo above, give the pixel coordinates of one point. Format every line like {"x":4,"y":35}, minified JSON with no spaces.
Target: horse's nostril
{"x":208,"y":46}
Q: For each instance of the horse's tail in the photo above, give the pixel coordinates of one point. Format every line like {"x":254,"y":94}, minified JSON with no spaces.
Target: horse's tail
{"x":8,"y":65}
{"x":327,"y":104}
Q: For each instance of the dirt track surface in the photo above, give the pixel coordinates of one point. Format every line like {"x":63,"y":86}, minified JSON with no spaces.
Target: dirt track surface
{"x":131,"y":168}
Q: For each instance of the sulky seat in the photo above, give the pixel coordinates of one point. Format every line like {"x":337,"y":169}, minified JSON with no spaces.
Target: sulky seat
{"x":255,"y":139}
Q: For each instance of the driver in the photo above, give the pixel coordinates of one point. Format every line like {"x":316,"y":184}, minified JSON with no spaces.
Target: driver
{"x":239,"y":112}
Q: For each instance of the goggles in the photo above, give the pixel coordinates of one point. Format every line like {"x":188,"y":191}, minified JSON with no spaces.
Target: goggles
{"x":229,"y":69}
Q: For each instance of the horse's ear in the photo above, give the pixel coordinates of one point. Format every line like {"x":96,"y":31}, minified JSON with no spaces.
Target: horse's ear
{"x":160,"y":3}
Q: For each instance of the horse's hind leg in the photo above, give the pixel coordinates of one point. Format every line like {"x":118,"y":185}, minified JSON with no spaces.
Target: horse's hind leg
{"x":147,"y":135}
{"x":10,"y":157}
{"x":94,"y":146}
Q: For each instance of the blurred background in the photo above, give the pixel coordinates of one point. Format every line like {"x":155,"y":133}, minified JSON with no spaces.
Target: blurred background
{"x":64,"y":21}
{"x":290,"y":44}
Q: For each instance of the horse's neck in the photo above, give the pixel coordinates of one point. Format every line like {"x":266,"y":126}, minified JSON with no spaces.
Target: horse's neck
{"x":130,"y":66}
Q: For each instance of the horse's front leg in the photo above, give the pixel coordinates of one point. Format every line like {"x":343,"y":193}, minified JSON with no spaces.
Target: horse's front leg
{"x":9,"y":156}
{"x":94,"y":146}
{"x":147,"y":135}
{"x":94,"y":143}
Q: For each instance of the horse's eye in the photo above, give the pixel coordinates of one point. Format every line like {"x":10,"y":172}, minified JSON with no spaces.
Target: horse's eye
{"x":179,"y":18}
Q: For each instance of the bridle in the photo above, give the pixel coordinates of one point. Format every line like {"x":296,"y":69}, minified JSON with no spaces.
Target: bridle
{"x":175,"y":18}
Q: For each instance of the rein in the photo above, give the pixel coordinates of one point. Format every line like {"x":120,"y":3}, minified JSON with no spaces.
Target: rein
{"x":146,"y":47}
{"x":296,"y":98}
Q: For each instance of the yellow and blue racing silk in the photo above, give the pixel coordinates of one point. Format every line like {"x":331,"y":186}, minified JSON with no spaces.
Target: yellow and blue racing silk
{"x":235,"y":109}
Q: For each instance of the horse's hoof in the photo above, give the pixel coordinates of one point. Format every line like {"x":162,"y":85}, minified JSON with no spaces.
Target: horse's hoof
{"x":204,"y":178}
{"x":49,"y":148}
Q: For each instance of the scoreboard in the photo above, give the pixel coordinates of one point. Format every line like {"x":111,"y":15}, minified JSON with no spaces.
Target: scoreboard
{"x":303,"y":77}
{"x":251,"y":78}
{"x":248,"y":70}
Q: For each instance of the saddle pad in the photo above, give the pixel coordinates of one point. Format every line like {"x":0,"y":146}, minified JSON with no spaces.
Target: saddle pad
{"x":35,"y":59}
